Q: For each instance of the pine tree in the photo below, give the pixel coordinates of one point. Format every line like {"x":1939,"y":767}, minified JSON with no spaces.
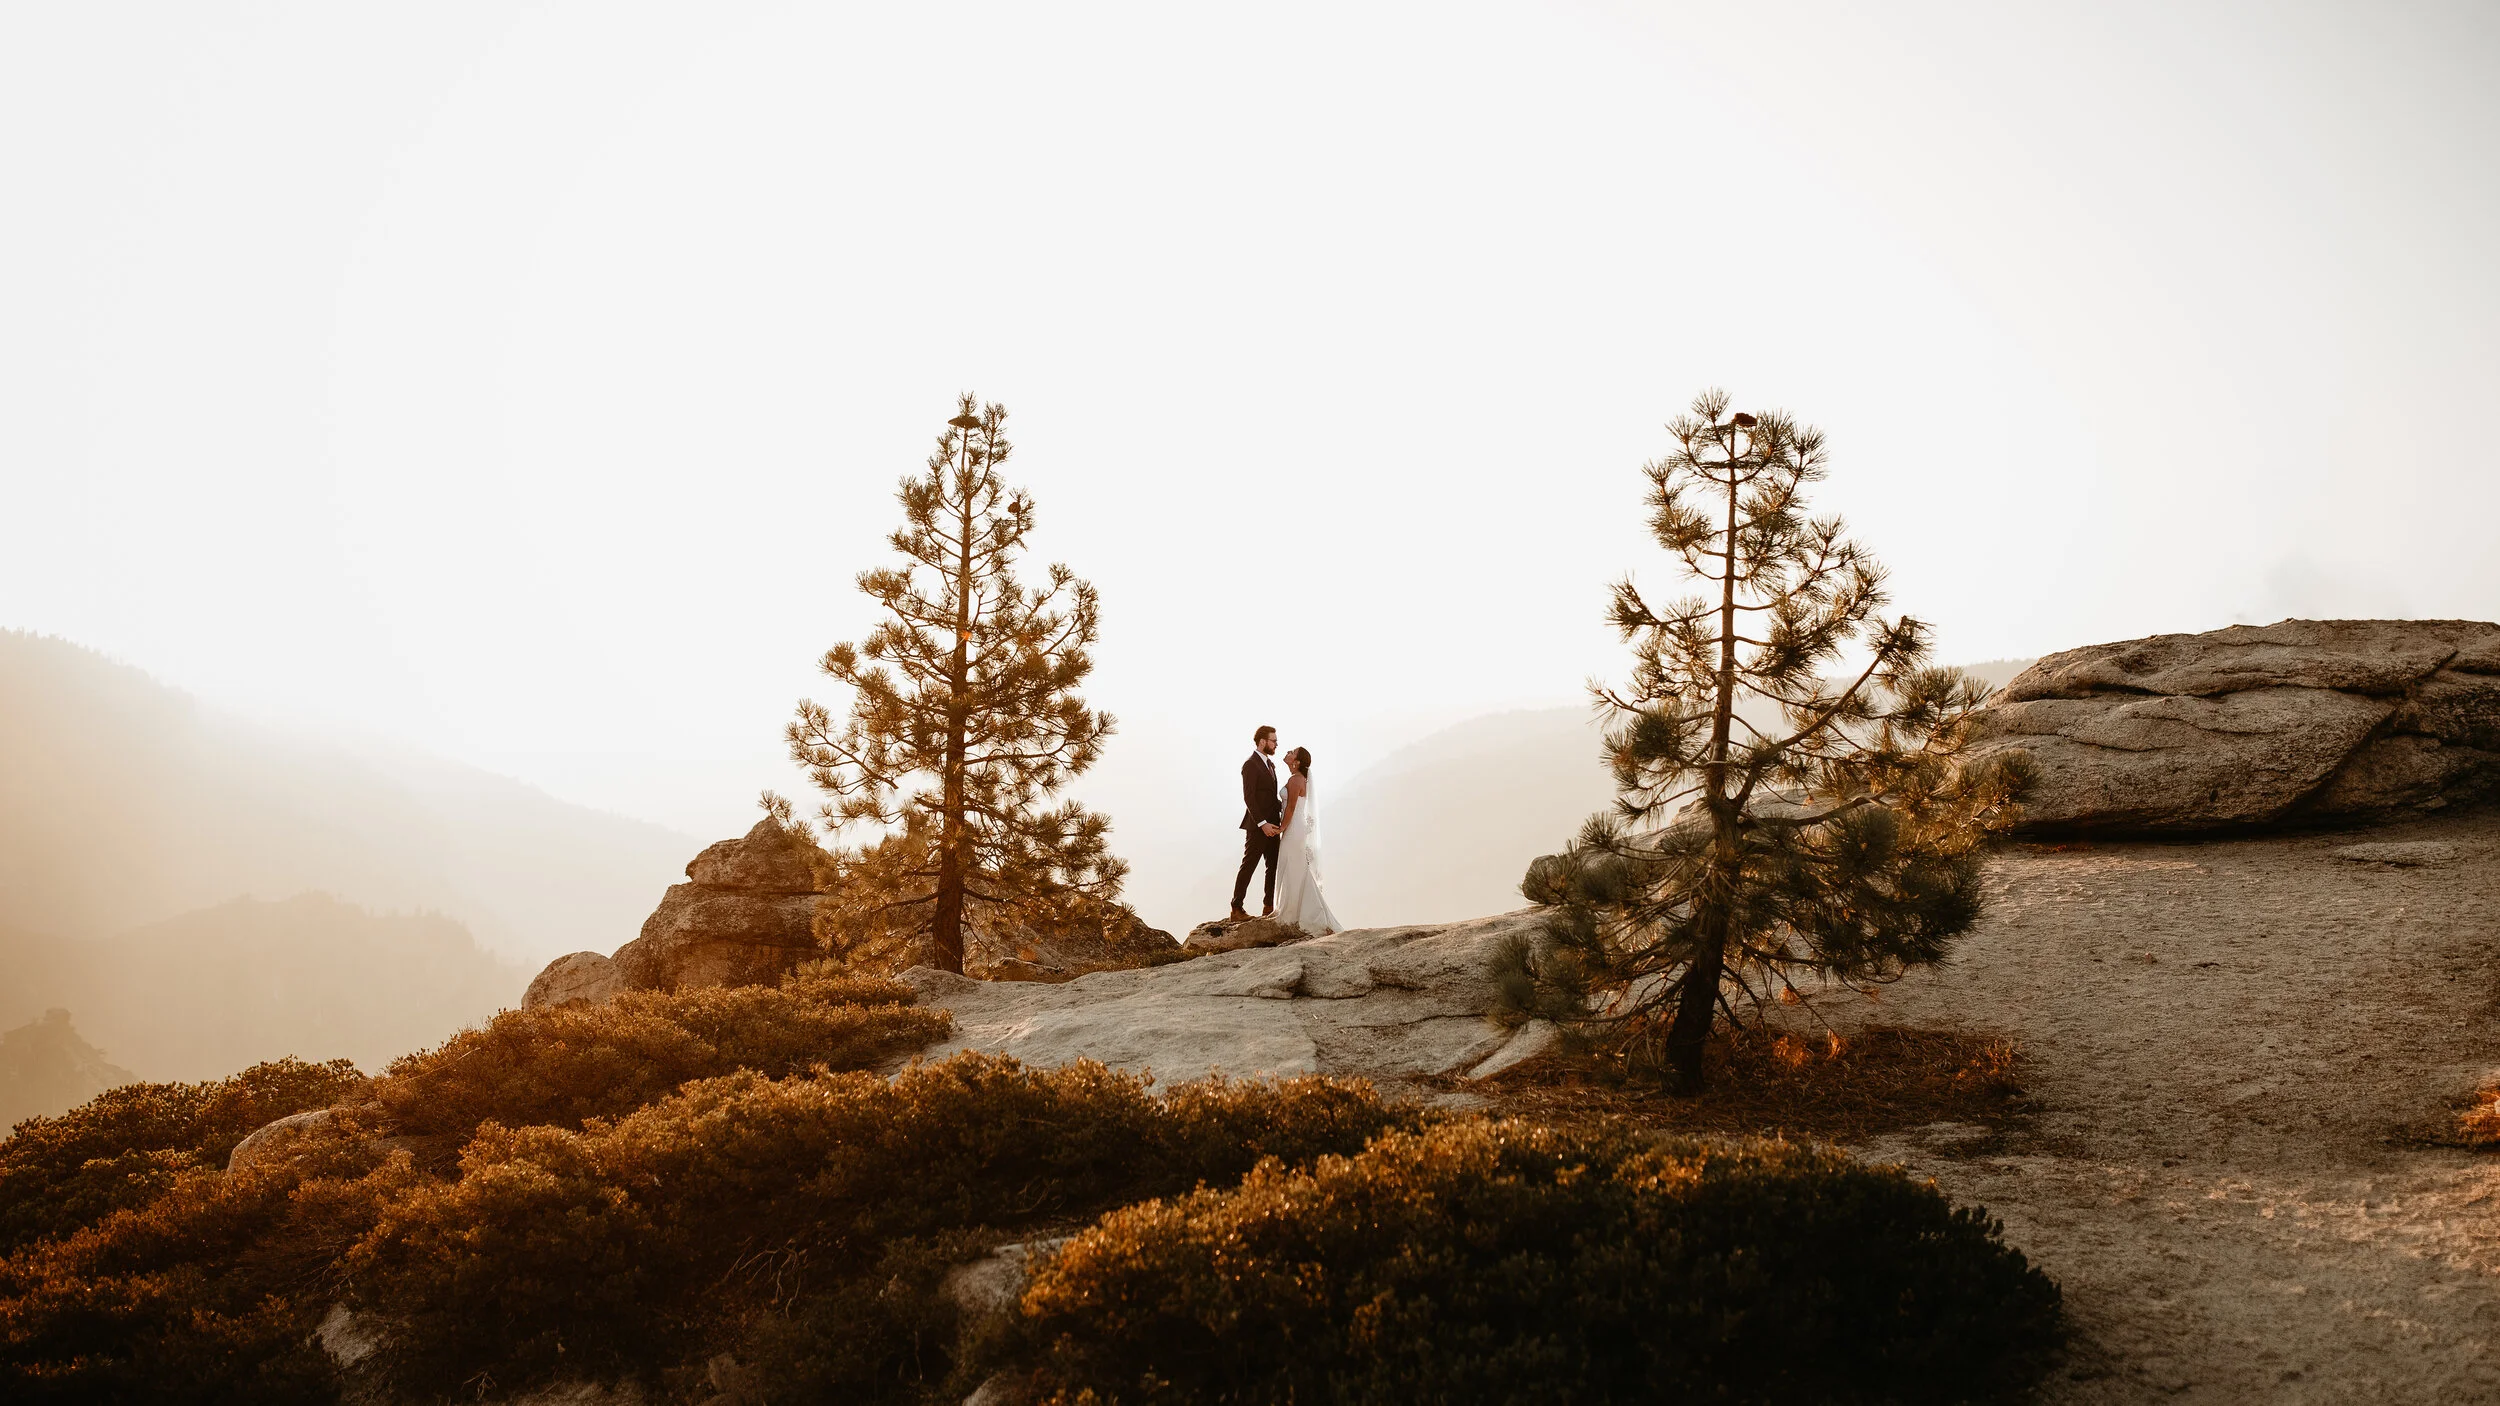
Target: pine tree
{"x":965,"y":716}
{"x":1773,"y":823}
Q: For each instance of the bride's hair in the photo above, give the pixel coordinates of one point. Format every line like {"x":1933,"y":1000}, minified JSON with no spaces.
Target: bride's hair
{"x":1301,"y":757}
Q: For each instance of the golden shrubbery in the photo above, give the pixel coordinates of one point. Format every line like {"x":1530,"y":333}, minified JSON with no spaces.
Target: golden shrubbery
{"x":142,"y":1272}
{"x":562,"y":1065}
{"x":126,"y":1147}
{"x":1504,"y":1262}
{"x":628,"y":1248}
{"x":207,"y":1294}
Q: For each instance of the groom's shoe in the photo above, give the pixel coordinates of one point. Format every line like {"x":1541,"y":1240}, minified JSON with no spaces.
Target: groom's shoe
{"x":1268,"y":912}
{"x":1236,"y":916}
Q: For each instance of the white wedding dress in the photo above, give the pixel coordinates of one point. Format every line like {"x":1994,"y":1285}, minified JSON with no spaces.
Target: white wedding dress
{"x":1298,"y":897}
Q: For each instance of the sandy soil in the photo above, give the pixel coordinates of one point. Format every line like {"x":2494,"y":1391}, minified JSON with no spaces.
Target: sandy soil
{"x":2227,"y":1041}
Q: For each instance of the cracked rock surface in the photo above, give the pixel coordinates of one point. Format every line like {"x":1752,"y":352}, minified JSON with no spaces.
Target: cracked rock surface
{"x":1384,"y":1003}
{"x":2302,"y":722}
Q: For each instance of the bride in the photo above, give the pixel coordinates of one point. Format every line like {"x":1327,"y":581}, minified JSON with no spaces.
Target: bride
{"x":1298,"y":898}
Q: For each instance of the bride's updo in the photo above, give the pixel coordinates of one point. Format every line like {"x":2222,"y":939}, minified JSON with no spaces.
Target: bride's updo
{"x":1301,"y":760}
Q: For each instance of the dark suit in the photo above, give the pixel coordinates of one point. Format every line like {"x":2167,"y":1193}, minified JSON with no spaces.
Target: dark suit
{"x":1259,"y":802}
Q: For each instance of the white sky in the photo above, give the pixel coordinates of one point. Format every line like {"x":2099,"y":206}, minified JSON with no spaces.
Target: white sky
{"x":529,"y":382}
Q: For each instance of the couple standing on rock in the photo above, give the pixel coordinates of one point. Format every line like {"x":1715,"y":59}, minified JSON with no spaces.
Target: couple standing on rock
{"x":1281,"y":827}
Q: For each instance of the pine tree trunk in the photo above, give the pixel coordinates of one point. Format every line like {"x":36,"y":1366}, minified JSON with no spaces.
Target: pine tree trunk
{"x":946,"y":925}
{"x":1697,"y":1006}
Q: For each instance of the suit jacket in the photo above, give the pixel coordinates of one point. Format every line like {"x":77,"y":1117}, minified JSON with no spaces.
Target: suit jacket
{"x":1259,"y":798}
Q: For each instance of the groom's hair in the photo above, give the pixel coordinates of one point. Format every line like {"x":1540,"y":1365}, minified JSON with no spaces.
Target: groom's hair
{"x":1263,"y":734}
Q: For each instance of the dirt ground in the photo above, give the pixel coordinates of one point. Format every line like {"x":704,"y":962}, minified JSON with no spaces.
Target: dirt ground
{"x":2227,"y":1043}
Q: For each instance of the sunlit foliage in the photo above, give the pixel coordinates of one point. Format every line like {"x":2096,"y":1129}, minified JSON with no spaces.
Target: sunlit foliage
{"x":1504,"y":1262}
{"x":127,"y":1146}
{"x":561,"y":1065}
{"x":965,"y":716}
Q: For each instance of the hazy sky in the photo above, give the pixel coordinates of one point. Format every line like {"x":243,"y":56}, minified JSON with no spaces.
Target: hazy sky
{"x":529,"y":382}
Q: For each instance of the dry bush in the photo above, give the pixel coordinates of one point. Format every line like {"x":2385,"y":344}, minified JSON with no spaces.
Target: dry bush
{"x":1767,"y":1082}
{"x":2471,"y":1122}
{"x":194,"y":1286}
{"x":2477,"y":1125}
{"x":563,"y":1065}
{"x":207,"y":1294}
{"x":623,"y":1249}
{"x":128,"y":1146}
{"x":1491,"y":1261}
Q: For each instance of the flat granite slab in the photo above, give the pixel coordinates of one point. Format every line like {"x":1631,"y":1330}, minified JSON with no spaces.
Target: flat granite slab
{"x":1384,"y":1003}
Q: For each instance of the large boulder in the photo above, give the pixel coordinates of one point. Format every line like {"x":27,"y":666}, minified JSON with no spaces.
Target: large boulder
{"x":2304,"y":722}
{"x":1383,"y":1003}
{"x":271,"y":1143}
{"x":745,"y":916}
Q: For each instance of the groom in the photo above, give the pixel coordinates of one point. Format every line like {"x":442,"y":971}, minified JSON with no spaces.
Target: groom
{"x":1262,"y":808}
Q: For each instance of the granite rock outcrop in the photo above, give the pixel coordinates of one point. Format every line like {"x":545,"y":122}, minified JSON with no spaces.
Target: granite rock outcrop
{"x":1382,"y":1003}
{"x":745,"y":916}
{"x":755,"y":907}
{"x":2304,"y":722}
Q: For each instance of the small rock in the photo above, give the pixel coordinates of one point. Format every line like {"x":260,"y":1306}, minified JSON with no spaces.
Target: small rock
{"x":988,"y":1288}
{"x":995,"y":1390}
{"x":347,"y":1341}
{"x":1533,"y":1039}
{"x":268,"y":1143}
{"x":1232,"y":935}
{"x":575,"y":976}
{"x":2404,"y":853}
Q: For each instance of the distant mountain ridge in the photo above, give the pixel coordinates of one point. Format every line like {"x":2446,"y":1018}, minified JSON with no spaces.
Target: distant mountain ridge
{"x":202,"y":995}
{"x":45,"y":1067}
{"x":200,"y":894}
{"x":124,"y":802}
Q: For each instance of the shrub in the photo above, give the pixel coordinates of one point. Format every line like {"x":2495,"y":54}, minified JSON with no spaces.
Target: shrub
{"x":195,"y":1286}
{"x":127,"y":1146}
{"x":563,"y":1065}
{"x":621,"y":1248}
{"x":1501,"y":1262}
{"x":210,"y":1293}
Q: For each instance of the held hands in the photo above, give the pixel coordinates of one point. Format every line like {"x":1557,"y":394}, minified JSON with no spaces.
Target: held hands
{"x":1268,"y":827}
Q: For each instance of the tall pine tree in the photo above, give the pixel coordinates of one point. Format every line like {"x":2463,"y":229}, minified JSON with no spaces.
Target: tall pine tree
{"x":965,"y":716}
{"x":1773,"y":823}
